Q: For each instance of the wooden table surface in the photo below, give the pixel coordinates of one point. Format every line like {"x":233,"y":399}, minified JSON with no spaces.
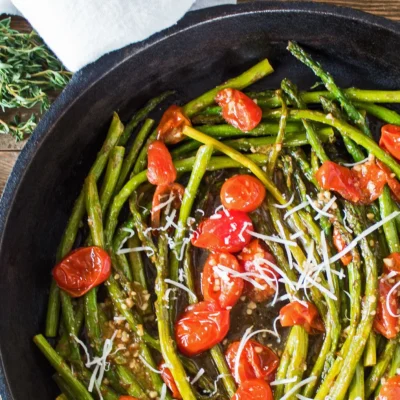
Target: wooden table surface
{"x":9,"y":149}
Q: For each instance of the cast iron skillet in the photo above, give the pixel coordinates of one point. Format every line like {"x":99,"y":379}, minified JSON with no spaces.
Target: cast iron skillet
{"x":205,"y":48}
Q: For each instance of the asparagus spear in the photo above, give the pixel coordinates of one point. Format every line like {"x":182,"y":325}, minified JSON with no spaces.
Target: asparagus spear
{"x":248,"y":77}
{"x":291,"y":91}
{"x":75,"y":219}
{"x":330,"y":84}
{"x":140,"y":115}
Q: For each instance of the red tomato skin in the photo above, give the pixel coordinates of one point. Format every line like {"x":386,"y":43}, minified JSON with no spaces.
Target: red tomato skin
{"x":385,"y":323}
{"x":226,"y":231}
{"x":362,"y":184}
{"x":225,"y":293}
{"x":332,"y":176}
{"x":82,"y":269}
{"x":390,"y":140}
{"x":295,"y":313}
{"x":169,"y":380}
{"x":255,"y":389}
{"x":171,"y":125}
{"x":340,"y":244}
{"x":392,"y":182}
{"x":395,"y":263}
{"x":243,"y":193}
{"x":390,"y":390}
{"x":127,"y":398}
{"x":160,"y":168}
{"x":256,"y":361}
{"x":238,"y":109}
{"x":247,"y":258}
{"x":201,"y":327}
{"x":164,"y":190}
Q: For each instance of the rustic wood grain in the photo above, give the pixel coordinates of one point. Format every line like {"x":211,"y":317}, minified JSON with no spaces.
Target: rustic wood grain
{"x":7,"y":160}
{"x":9,"y":149}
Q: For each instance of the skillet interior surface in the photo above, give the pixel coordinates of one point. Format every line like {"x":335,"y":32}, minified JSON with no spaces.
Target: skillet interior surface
{"x":205,"y":48}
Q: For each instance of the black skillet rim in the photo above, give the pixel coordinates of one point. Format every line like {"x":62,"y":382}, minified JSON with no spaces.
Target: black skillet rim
{"x":84,"y":79}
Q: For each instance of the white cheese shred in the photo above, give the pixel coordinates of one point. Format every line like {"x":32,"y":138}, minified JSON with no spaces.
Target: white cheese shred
{"x":364,"y":234}
{"x":286,"y":205}
{"x":327,"y":206}
{"x":283,"y":381}
{"x":246,"y":337}
{"x":180,"y":286}
{"x":272,"y":239}
{"x":299,"y":207}
{"x":149,"y":251}
{"x":143,"y":360}
{"x":166,"y":203}
{"x":298,"y":386}
{"x":319,"y":211}
{"x":388,"y":305}
{"x":198,"y":376}
{"x":356,"y":163}
{"x":163,"y":393}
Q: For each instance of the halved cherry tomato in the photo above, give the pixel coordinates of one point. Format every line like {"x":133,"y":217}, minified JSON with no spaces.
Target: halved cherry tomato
{"x":223,"y":288}
{"x":392,"y":263}
{"x":254,"y":389}
{"x":390,"y":140}
{"x":340,"y":244}
{"x":243,"y":193}
{"x":392,"y":182}
{"x":127,"y":398}
{"x":254,"y":258}
{"x":385,"y":323}
{"x":160,"y":168}
{"x":200,"y":327}
{"x":170,"y":128}
{"x":296,"y":313}
{"x":238,"y":109}
{"x":82,"y":269}
{"x":256,"y":361}
{"x":225,"y":231}
{"x":362,"y":184}
{"x":161,"y":195}
{"x":390,"y":390}
{"x":169,"y":380}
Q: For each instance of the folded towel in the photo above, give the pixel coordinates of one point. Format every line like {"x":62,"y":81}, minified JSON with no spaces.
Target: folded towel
{"x":81,"y":31}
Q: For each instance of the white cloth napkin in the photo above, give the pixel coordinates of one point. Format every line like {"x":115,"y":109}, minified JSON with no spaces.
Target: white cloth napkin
{"x":81,"y":31}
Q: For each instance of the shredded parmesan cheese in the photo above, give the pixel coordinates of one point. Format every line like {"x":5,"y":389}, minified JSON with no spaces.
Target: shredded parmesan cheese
{"x":166,"y":203}
{"x":246,"y":337}
{"x":283,"y":381}
{"x":180,"y":286}
{"x":150,"y":367}
{"x":388,"y":305}
{"x":326,"y":208}
{"x":272,"y":239}
{"x":298,"y":386}
{"x":299,"y":207}
{"x":318,"y":210}
{"x":364,"y":234}
{"x":356,"y":163}
{"x":286,"y":205}
{"x":198,"y":376}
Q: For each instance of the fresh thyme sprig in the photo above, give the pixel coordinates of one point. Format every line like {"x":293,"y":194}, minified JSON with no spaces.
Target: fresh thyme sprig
{"x":29,"y":72}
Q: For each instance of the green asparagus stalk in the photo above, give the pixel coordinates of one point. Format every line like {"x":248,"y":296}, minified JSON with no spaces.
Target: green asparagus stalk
{"x":62,"y":368}
{"x":140,"y":115}
{"x":75,"y":219}
{"x":276,"y":149}
{"x":248,"y":77}
{"x":330,"y":84}
{"x":291,"y":90}
{"x":111,"y":177}
{"x":133,"y":153}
